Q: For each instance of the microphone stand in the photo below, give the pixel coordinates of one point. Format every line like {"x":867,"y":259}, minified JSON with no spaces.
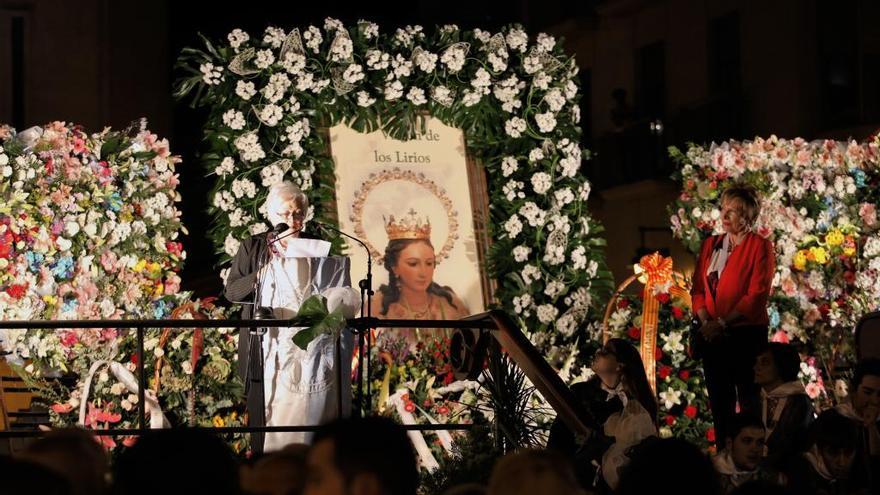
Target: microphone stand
{"x":366,"y":288}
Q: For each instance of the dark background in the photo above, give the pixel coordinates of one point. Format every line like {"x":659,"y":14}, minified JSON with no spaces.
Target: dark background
{"x":702,"y":70}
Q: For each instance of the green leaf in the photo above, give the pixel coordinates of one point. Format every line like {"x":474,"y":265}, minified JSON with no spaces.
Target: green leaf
{"x":323,"y":322}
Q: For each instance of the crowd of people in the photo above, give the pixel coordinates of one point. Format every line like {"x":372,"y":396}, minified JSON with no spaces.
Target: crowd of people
{"x":786,"y":448}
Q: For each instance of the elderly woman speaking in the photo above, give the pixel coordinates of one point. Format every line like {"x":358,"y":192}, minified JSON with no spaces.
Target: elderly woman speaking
{"x":286,"y":385}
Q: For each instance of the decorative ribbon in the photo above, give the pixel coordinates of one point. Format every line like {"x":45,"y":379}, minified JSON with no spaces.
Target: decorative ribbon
{"x":656,"y":273}
{"x":127,"y":378}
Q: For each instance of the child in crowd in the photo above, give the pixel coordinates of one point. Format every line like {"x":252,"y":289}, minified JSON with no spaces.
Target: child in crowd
{"x":740,"y":461}
{"x":827,"y":468}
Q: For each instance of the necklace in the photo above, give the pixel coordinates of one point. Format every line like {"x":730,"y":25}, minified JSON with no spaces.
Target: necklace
{"x":417,"y":315}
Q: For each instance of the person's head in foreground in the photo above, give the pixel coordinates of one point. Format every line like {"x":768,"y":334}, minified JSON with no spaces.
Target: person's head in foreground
{"x":652,"y":462}
{"x":835,"y":440}
{"x":75,"y":455}
{"x":533,"y":471}
{"x":865,"y":390}
{"x":367,"y":456}
{"x":745,"y":445}
{"x":278,"y":473}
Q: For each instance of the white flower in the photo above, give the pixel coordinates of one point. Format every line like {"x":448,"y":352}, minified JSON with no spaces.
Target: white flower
{"x":546,"y":42}
{"x":536,"y":154}
{"x":541,"y":182}
{"x":257,"y":228}
{"x":249,"y":147}
{"x":264,"y":59}
{"x":515,"y":126}
{"x":332,"y":24}
{"x":237,"y":37}
{"x":541,"y":80}
{"x":535,"y":215}
{"x":230,"y":245}
{"x":482,"y":80}
{"x":513,"y":226}
{"x":341,"y":48}
{"x":546,"y":121}
{"x":378,"y":60}
{"x":245,"y":90}
{"x":393,"y":90}
{"x":547,"y":313}
{"x":442,"y":95}
{"x":313,"y":38}
{"x":513,"y":190}
{"x":271,"y":175}
{"x":498,"y":60}
{"x":578,"y":258}
{"x":566,"y":325}
{"x":186,"y":367}
{"x":530,"y":273}
{"x":471,"y":98}
{"x":276,"y":87}
{"x":508,"y":166}
{"x":453,"y":58}
{"x":563,"y":196}
{"x":521,"y":253}
{"x":555,"y":100}
{"x":531,"y":64}
{"x":517,"y":40}
{"x":522,"y":303}
{"x":672,"y":343}
{"x":401,"y":66}
{"x":234,"y":119}
{"x":370,"y":29}
{"x":416,"y":96}
{"x":553,"y":288}
{"x":293,"y":63}
{"x":271,"y":115}
{"x":364,"y":99}
{"x":426,"y":61}
{"x":353,"y":73}
{"x":273,"y":37}
{"x":244,"y":187}
{"x":670,"y":397}
{"x":227,"y":166}
{"x":211,"y":75}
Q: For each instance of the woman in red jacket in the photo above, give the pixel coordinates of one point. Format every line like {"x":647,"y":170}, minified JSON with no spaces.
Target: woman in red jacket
{"x":731,"y":289}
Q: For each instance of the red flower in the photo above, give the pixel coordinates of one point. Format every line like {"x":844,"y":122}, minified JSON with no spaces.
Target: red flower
{"x":670,"y":420}
{"x":134,"y":359}
{"x":663,"y":297}
{"x":710,"y":434}
{"x":623,"y":303}
{"x":426,"y":403}
{"x":664,"y":371}
{"x":658,"y":354}
{"x":16,"y":291}
{"x":6,"y":241}
{"x":677,"y":313}
{"x":684,"y":375}
{"x":409,"y":407}
{"x":690,"y":411}
{"x":634,"y":333}
{"x":443,"y":410}
{"x":404,"y":397}
{"x":62,"y":408}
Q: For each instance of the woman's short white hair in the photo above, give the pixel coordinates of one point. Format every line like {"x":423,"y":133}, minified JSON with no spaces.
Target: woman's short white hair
{"x":279,"y":195}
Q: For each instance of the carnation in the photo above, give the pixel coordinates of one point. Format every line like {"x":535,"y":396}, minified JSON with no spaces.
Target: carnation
{"x":234,"y":119}
{"x":264,"y":59}
{"x":541,"y":182}
{"x":521,"y":253}
{"x":515,"y":126}
{"x":546,"y":121}
{"x":245,"y":90}
{"x":547,"y":313}
{"x":237,"y":37}
{"x":508,"y":166}
{"x":416,"y":96}
{"x":513,"y":226}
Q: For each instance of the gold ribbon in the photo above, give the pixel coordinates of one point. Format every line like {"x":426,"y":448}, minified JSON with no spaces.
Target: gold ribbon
{"x":654,"y":270}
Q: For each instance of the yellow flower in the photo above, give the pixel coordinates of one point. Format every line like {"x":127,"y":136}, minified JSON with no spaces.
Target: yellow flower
{"x":219,"y":422}
{"x":155,"y":269}
{"x":800,"y":260}
{"x":159,"y":289}
{"x":50,"y":299}
{"x":819,"y":254}
{"x":834,"y":238}
{"x":139,"y":266}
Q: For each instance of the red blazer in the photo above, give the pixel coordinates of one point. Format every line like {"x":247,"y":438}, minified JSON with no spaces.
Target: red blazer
{"x":744,"y":285}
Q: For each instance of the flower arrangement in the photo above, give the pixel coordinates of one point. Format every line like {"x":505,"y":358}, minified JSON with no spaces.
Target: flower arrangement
{"x":88,"y":230}
{"x":516,"y":98}
{"x":819,"y":207}
{"x":680,"y":386}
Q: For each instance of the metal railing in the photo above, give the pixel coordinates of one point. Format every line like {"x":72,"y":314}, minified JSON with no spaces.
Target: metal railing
{"x":494,"y":323}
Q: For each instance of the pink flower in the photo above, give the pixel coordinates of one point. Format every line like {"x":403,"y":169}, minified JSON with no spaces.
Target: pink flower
{"x":69,"y":339}
{"x":868,"y":214}
{"x":780,"y":336}
{"x":814,"y":390}
{"x":62,"y":408}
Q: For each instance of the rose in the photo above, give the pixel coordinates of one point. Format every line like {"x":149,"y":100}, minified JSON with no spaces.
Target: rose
{"x":664,"y":372}
{"x":677,"y":313}
{"x":684,"y":375}
{"x":710,"y":434}
{"x":670,"y":420}
{"x":663,"y":298}
{"x":634,"y":333}
{"x":690,"y":411}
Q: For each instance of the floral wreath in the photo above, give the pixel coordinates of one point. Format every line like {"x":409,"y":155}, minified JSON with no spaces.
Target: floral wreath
{"x":376,"y":179}
{"x":515,"y":97}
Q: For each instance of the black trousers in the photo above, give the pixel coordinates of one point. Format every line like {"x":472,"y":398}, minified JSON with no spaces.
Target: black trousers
{"x":728,"y":363}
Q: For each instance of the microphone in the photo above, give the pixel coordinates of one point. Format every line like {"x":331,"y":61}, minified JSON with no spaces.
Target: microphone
{"x":366,"y":284}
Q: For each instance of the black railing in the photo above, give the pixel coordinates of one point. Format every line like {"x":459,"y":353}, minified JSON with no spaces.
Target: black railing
{"x":496,"y":323}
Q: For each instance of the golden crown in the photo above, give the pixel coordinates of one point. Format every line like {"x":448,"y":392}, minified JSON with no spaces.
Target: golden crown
{"x":408,"y":227}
